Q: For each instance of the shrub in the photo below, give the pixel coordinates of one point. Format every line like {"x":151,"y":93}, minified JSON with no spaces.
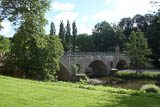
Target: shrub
{"x":75,"y":69}
{"x":86,"y":87}
{"x":132,"y":75}
{"x":150,"y":88}
{"x":81,"y":81}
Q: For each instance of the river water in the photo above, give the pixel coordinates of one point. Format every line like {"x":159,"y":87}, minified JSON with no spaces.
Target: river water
{"x":128,"y":84}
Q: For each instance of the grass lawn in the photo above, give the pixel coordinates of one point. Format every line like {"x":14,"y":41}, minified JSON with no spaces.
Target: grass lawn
{"x":27,"y":93}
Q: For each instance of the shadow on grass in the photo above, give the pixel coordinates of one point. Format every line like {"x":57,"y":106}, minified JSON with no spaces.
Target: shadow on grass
{"x":124,"y":100}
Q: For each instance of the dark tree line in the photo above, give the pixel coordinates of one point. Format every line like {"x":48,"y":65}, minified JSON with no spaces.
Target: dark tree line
{"x":105,"y":36}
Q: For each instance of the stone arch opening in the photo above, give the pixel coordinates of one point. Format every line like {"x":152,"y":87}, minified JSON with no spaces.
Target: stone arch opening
{"x":121,"y":65}
{"x":63,"y":73}
{"x":96,"y":69}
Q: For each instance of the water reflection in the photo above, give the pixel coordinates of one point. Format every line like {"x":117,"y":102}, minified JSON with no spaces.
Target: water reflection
{"x":126,"y":84}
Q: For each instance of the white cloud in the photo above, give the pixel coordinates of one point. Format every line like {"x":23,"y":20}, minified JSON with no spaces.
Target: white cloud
{"x":62,"y":6}
{"x":83,"y":29}
{"x":124,"y":8}
{"x":107,"y":2}
{"x":85,"y":18}
{"x":6,"y":28}
{"x":111,"y":16}
{"x":71,"y":16}
{"x":141,"y":6}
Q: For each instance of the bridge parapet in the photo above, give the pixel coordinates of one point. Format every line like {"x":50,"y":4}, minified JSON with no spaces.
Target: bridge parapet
{"x":92,"y":54}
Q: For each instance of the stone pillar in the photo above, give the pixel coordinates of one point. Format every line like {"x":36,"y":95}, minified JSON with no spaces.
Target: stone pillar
{"x":117,"y":49}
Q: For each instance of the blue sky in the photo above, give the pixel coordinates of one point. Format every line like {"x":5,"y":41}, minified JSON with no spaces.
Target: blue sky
{"x":87,"y":13}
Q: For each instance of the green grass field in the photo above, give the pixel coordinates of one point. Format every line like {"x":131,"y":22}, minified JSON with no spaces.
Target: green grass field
{"x":27,"y":93}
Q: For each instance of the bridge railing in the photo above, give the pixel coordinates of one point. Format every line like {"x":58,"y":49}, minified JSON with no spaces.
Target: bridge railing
{"x":92,"y":53}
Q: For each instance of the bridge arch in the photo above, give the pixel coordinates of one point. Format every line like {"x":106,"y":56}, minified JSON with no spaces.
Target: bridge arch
{"x":63,"y":73}
{"x":96,"y":68}
{"x":121,"y":65}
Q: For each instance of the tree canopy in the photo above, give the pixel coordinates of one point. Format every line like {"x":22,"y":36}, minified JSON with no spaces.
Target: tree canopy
{"x":33,"y":53}
{"x":74,"y":33}
{"x":4,"y":44}
{"x":138,"y":50}
{"x":52,"y":29}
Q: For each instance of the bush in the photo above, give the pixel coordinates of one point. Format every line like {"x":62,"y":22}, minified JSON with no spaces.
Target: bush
{"x":75,"y":69}
{"x":133,"y":75}
{"x":150,"y":88}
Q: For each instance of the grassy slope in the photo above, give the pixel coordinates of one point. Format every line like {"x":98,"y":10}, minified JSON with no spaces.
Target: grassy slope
{"x":21,"y":93}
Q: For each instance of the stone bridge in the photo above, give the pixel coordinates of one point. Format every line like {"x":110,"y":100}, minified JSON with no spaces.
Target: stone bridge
{"x":99,"y":63}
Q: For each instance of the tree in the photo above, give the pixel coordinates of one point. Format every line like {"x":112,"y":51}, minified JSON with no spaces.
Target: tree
{"x":138,"y":50}
{"x":29,"y":53}
{"x":62,"y":33}
{"x":119,"y":36}
{"x":52,"y":29}
{"x":74,"y":32}
{"x":0,"y":24}
{"x":84,"y":43}
{"x":140,"y":22}
{"x":153,"y":35}
{"x":4,"y":44}
{"x":127,"y":26}
{"x":156,"y":4}
{"x":19,"y":11}
{"x":68,"y":37}
{"x":104,"y":37}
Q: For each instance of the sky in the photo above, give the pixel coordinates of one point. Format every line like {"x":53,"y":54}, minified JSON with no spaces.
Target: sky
{"x":87,"y":13}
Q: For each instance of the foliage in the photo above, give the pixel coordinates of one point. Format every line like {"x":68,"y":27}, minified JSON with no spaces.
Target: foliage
{"x":84,"y":43}
{"x":75,"y":69}
{"x":68,"y":37}
{"x":21,"y":11}
{"x":121,"y":39}
{"x":74,"y":33}
{"x":52,"y":29}
{"x":104,"y":37}
{"x":138,"y":50}
{"x":38,"y":63}
{"x":4,"y":44}
{"x":150,"y":88}
{"x":153,"y":35}
{"x":62,"y":33}
{"x":83,"y":86}
{"x":132,"y":75}
{"x":35,"y":55}
{"x":126,"y":25}
{"x":82,"y":82}
{"x":0,"y":24}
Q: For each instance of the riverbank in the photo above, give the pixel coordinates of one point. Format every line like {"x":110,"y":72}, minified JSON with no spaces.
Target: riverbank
{"x":24,"y":93}
{"x":128,"y":79}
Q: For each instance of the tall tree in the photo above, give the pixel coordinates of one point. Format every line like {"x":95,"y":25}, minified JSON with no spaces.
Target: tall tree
{"x":120,"y":38}
{"x":74,"y":32}
{"x":29,"y":50}
{"x":140,"y":22}
{"x":153,"y":35}
{"x":62,"y":33}
{"x":127,"y":25}
{"x":4,"y":44}
{"x":104,"y":37}
{"x":0,"y":24}
{"x":52,"y":29}
{"x":84,"y":43}
{"x":138,"y":50}
{"x":68,"y":37}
